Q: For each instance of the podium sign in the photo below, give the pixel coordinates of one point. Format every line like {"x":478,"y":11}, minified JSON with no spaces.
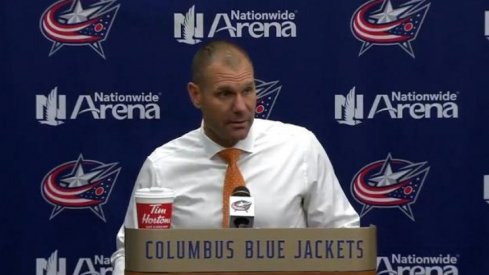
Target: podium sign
{"x":244,"y":250}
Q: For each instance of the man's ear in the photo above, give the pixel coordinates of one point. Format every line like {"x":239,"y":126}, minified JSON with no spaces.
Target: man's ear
{"x":195,"y":94}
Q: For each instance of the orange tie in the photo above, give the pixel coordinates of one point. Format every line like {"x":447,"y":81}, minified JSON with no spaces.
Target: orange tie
{"x":232,"y":180}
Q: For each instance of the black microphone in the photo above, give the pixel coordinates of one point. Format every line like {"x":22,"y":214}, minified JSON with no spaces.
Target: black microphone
{"x":241,"y":208}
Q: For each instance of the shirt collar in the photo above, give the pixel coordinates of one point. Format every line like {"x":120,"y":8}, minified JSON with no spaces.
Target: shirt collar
{"x":211,"y":148}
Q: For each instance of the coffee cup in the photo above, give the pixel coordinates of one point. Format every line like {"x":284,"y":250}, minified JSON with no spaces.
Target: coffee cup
{"x":154,"y":207}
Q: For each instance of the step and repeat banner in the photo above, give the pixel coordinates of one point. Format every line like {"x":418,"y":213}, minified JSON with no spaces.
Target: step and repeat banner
{"x":397,"y":91}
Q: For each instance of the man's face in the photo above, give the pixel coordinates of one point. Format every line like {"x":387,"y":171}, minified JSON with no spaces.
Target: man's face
{"x":227,"y":99}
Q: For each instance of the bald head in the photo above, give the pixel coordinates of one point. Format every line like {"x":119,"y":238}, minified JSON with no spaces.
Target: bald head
{"x":225,"y":52}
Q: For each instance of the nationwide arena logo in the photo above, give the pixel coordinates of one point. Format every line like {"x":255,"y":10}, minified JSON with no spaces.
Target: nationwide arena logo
{"x":189,"y":27}
{"x":380,"y":23}
{"x":52,"y":109}
{"x":79,"y":184}
{"x":389,"y":183}
{"x":350,"y":108}
{"x":267,"y":93}
{"x":399,"y":264}
{"x":56,"y":265}
{"x":78,"y":23}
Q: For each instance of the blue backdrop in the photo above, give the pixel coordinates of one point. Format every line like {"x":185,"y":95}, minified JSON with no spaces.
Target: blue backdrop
{"x":396,"y":91}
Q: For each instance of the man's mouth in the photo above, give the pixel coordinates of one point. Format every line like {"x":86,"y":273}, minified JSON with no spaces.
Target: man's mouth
{"x":238,"y":123}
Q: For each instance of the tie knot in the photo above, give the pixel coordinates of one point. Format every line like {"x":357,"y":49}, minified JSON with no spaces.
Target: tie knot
{"x":230,"y":155}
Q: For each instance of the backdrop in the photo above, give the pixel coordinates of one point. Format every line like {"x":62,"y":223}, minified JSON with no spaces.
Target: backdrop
{"x":396,"y":91}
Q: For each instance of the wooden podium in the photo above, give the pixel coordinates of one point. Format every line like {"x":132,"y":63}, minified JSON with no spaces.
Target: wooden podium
{"x":310,"y":251}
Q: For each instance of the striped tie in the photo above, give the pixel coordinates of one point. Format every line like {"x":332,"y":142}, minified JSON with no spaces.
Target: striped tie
{"x":232,"y":180}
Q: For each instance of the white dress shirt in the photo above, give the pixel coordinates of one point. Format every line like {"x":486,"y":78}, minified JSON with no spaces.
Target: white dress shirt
{"x":284,"y":166}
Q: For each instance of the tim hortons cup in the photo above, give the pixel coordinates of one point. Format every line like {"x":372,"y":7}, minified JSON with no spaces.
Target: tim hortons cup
{"x":154,"y":207}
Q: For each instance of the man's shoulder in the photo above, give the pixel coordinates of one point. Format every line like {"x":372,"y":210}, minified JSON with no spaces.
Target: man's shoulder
{"x":278,"y":128}
{"x":180,"y":145}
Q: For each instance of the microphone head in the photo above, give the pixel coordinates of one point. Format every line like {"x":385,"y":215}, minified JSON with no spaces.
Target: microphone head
{"x":241,"y":191}
{"x":241,"y":208}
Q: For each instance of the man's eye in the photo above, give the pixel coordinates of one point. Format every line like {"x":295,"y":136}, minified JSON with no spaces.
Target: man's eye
{"x":249,"y":90}
{"x":224,"y":94}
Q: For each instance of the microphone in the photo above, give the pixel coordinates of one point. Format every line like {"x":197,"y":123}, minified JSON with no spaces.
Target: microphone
{"x":241,"y":208}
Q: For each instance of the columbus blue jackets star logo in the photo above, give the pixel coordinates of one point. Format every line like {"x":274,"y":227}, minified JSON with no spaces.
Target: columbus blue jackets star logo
{"x":78,"y":23}
{"x":380,"y":23}
{"x":389,"y":183}
{"x":79,"y":184}
{"x":267,"y":93}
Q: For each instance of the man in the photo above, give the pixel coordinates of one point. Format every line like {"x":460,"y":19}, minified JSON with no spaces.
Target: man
{"x":284,"y":166}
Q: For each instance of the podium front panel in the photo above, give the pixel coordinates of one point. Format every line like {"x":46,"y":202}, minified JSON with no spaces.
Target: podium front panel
{"x":251,"y":250}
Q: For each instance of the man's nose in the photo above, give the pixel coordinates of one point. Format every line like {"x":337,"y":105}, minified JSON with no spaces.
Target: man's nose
{"x":239,"y":103}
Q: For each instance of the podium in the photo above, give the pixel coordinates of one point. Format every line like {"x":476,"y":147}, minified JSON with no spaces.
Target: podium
{"x":310,"y":251}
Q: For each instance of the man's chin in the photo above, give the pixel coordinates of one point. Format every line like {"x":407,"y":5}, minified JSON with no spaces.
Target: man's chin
{"x":239,"y":133}
{"x":239,"y":130}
